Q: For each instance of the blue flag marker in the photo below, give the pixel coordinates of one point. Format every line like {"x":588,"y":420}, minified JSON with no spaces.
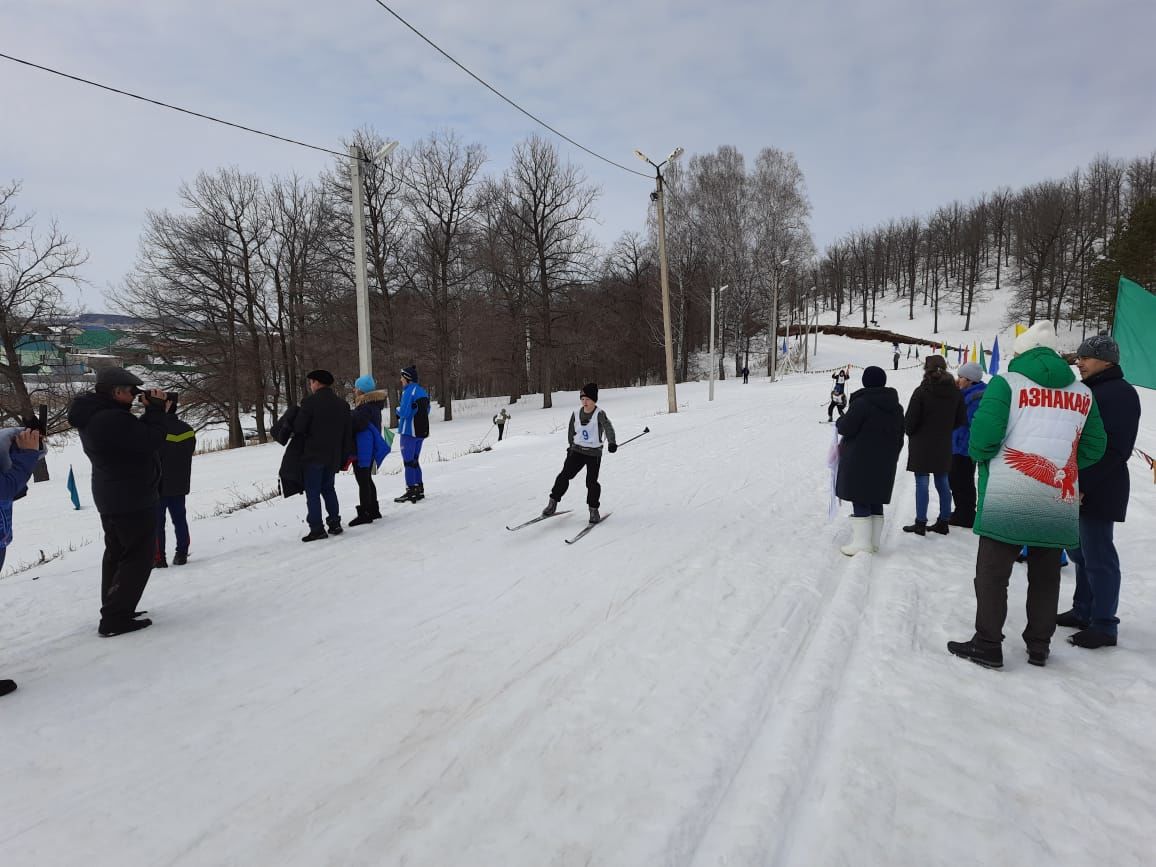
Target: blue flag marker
{"x":72,"y":489}
{"x":994,"y":369}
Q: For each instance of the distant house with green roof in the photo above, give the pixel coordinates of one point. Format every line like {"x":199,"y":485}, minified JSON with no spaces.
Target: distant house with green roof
{"x":96,"y":340}
{"x":33,"y":352}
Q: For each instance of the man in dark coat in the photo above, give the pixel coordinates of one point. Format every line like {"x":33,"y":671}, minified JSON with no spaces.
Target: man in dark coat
{"x":126,"y":474}
{"x":872,"y":433}
{"x":325,"y":427}
{"x":935,"y":410}
{"x":176,"y":480}
{"x":292,"y":471}
{"x":1104,"y":489}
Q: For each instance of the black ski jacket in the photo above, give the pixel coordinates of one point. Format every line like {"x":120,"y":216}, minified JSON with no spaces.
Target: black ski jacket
{"x":872,"y":430}
{"x":124,"y":450}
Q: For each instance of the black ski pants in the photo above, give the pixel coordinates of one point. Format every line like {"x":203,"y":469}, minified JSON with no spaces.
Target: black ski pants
{"x":993,"y":568}
{"x":962,"y":481}
{"x":831,"y":407}
{"x":129,"y":549}
{"x":367,"y":491}
{"x":575,"y":461}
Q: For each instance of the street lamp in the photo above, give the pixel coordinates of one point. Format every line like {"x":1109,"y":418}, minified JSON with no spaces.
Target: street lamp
{"x":360,"y":275}
{"x":671,"y":400}
{"x":773,"y":323}
{"x":713,"y":364}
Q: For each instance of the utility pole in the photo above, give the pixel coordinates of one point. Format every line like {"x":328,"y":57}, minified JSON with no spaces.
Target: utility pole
{"x":713,"y":365}
{"x":671,"y":399}
{"x":361,"y":278}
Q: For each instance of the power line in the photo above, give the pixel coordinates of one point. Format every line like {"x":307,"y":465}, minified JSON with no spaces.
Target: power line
{"x":174,"y":107}
{"x":503,"y":97}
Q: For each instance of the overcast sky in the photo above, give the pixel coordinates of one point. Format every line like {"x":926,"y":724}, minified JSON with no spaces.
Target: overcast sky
{"x":892,"y":107}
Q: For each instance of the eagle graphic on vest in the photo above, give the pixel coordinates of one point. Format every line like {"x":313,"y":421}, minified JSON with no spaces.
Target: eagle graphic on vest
{"x":1042,"y":470}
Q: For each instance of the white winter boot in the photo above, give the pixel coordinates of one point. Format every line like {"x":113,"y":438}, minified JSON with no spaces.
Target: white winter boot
{"x":860,"y":537}
{"x":876,"y":532}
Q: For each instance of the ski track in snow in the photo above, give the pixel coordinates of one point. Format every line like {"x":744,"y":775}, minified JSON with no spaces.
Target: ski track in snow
{"x":704,"y":681}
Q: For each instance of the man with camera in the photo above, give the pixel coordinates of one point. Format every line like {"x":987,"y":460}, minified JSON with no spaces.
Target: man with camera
{"x":126,"y":472}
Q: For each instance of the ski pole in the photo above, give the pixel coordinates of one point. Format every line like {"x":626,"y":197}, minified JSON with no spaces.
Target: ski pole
{"x":645,"y":430}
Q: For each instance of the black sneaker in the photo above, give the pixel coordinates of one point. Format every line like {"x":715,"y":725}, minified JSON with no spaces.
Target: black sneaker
{"x":7,"y":686}
{"x":919,"y":528}
{"x":418,"y":493}
{"x":940,"y":527}
{"x":1069,"y":620}
{"x":1038,"y":657}
{"x":406,"y":497}
{"x":180,"y":559}
{"x":314,"y":535}
{"x":1092,"y":639}
{"x":107,"y":630}
{"x":987,"y":657}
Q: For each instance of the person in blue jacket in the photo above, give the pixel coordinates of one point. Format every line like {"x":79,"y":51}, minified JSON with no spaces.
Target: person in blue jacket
{"x":370,"y":446}
{"x":21,"y":449}
{"x":413,"y":428}
{"x":961,"y":477}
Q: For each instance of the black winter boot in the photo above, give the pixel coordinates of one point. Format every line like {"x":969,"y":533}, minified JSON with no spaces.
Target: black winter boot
{"x":407,"y":496}
{"x":987,"y":657}
{"x":374,"y":512}
{"x":314,"y":535}
{"x":418,"y":493}
{"x":1092,"y":639}
{"x":1069,"y":620}
{"x":335,"y":528}
{"x":919,"y":528}
{"x":940,"y":527}
{"x":551,"y":508}
{"x":7,"y":686}
{"x":180,"y":559}
{"x":1038,"y":657}
{"x":594,"y":516}
{"x":362,"y":518}
{"x":160,"y":562}
{"x":107,"y":630}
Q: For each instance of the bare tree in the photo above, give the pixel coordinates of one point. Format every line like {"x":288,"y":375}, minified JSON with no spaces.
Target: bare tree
{"x":32,"y":270}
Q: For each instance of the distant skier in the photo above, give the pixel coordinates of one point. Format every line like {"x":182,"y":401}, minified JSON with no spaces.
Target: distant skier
{"x":589,"y":425}
{"x":838,"y":394}
{"x":500,"y":420}
{"x":895,"y":355}
{"x":746,"y":374}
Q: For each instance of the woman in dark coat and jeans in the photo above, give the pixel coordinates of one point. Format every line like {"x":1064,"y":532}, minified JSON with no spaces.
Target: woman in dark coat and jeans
{"x":935,"y":410}
{"x":872,"y":433}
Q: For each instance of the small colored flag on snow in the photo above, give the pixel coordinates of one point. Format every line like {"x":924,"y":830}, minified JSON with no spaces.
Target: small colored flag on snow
{"x":1020,"y":329}
{"x":72,"y":492}
{"x":993,"y":368}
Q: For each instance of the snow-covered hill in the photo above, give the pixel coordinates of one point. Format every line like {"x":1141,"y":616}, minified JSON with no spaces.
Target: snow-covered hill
{"x":703,"y":680}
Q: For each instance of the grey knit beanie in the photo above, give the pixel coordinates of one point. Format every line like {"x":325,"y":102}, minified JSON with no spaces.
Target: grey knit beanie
{"x":1100,"y":346}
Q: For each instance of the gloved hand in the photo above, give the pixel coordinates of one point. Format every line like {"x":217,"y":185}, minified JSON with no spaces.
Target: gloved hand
{"x":612,"y":448}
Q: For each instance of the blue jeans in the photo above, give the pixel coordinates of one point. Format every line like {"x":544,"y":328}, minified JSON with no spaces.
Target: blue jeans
{"x":866,"y":510}
{"x":1097,"y":576}
{"x":410,"y":453}
{"x":318,"y":484}
{"x":922,"y":496}
{"x":174,"y":506}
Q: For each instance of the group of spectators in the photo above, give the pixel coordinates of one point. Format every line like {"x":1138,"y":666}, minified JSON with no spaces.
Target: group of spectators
{"x":1052,"y":454}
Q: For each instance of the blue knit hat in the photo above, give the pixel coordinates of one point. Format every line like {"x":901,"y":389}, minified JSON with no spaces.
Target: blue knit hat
{"x":365,"y":384}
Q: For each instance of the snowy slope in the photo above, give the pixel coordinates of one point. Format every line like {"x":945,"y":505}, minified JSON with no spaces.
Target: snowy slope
{"x":703,"y":680}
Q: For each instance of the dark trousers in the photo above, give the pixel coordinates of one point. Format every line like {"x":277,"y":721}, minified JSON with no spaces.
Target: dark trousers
{"x":501,"y":428}
{"x":895,"y":361}
{"x":1097,"y":576}
{"x":129,"y":549}
{"x":962,"y":480}
{"x":831,"y":407}
{"x":993,"y":568}
{"x":318,"y":484}
{"x":174,"y":506}
{"x":366,"y":489}
{"x":575,"y":461}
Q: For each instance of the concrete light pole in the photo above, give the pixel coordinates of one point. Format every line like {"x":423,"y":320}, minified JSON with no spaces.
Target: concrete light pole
{"x":671,"y":400}
{"x":773,"y":324}
{"x":360,"y":271}
{"x":713,"y":364}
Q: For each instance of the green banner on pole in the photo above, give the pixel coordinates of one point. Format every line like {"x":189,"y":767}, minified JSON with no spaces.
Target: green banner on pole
{"x":1134,"y":329}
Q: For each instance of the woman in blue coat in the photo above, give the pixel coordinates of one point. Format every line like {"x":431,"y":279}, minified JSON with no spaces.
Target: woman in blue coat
{"x":371,"y":446}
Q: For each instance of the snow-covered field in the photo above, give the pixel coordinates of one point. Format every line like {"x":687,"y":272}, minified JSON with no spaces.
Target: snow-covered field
{"x":703,"y":680}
